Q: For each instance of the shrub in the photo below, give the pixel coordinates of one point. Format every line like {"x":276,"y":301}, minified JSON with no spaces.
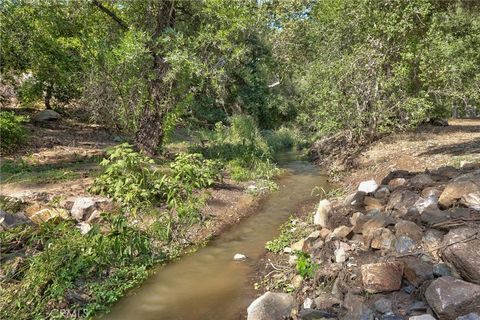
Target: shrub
{"x":12,"y":132}
{"x":134,"y":180}
{"x":128,"y":177}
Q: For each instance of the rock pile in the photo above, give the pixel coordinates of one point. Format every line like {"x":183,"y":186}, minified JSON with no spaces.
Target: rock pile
{"x":406,"y":248}
{"x":39,"y":208}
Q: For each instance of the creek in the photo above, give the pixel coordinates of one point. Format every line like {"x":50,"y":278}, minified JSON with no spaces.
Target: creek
{"x":208,"y":284}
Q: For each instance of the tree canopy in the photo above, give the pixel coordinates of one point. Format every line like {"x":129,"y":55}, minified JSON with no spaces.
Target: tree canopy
{"x":140,"y":67}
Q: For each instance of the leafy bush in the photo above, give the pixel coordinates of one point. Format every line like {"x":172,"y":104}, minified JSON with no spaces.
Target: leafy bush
{"x":12,"y":132}
{"x":134,"y":179}
{"x":305,"y":266}
{"x":128,"y":177}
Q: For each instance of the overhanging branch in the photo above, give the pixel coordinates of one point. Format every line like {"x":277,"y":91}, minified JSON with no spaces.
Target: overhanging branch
{"x":111,"y":14}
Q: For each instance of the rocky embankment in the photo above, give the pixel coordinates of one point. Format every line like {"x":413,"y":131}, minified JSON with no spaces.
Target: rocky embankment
{"x":406,"y":248}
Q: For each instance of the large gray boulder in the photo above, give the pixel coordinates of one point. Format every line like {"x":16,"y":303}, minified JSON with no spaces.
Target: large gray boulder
{"x":462,"y":251}
{"x":451,"y":298}
{"x":47,"y":115}
{"x":271,"y":306}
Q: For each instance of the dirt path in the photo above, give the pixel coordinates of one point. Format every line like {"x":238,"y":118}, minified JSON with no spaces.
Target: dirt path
{"x":428,"y":147}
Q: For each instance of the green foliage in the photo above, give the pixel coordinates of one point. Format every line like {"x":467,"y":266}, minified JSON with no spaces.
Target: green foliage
{"x":105,"y":263}
{"x":135,"y":180}
{"x":370,"y":67}
{"x":242,"y":147}
{"x":288,"y":235}
{"x":128,"y":177}
{"x":12,"y":132}
{"x":305,"y":266}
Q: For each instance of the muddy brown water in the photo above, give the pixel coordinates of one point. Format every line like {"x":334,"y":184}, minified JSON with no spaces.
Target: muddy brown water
{"x":208,"y":284}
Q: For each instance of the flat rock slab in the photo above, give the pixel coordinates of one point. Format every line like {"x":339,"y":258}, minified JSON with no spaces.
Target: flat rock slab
{"x":382,"y":276}
{"x":451,"y":298}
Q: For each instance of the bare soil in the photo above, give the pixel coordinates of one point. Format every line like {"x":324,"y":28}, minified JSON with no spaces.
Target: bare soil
{"x":428,"y":147}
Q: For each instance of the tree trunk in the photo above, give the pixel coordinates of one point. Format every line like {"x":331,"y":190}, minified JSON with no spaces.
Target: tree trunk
{"x":48,"y":96}
{"x":151,"y":125}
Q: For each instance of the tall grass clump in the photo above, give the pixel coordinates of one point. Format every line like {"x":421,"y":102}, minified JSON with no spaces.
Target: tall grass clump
{"x":242,"y":147}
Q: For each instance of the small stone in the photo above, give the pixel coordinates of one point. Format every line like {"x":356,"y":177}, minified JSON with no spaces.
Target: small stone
{"x":382,"y":239}
{"x":404,"y":244}
{"x":323,"y":211}
{"x":271,"y":306}
{"x":442,"y":270}
{"x":324,"y":232}
{"x":239,"y":257}
{"x":382,"y":276}
{"x":340,"y":255}
{"x":397,"y":182}
{"x":372,"y":203}
{"x":287,"y":250}
{"x":341,"y":232}
{"x":409,"y":229}
{"x":368,"y":186}
{"x":431,"y":216}
{"x":431,"y":192}
{"x":84,"y":227}
{"x":355,"y":216}
{"x":382,"y":193}
{"x":421,"y":181}
{"x":326,"y":301}
{"x":423,"y":203}
{"x":383,"y":305}
{"x":292,"y":259}
{"x":82,"y":207}
{"x":470,"y":316}
{"x":417,"y":306}
{"x":8,"y":220}
{"x":422,"y":317}
{"x":401,"y":200}
{"x":417,"y":271}
{"x":357,"y":310}
{"x":47,"y":115}
{"x":307,"y":303}
{"x":450,"y":297}
{"x":471,"y":200}
{"x":298,"y":246}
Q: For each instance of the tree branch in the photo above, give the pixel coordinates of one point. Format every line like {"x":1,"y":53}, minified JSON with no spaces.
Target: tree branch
{"x":111,"y":14}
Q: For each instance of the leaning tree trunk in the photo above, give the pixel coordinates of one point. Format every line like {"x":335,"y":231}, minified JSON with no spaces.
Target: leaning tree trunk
{"x":151,"y":125}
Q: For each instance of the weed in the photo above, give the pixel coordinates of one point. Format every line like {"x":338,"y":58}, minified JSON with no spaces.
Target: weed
{"x":305,"y":266}
{"x":288,"y":234}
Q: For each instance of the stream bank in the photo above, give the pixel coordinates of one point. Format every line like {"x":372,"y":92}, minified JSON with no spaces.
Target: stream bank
{"x":401,"y":243}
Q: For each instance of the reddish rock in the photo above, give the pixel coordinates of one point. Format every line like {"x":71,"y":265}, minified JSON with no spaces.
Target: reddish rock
{"x":397,"y":182}
{"x":382,"y":276}
{"x":450,"y":297}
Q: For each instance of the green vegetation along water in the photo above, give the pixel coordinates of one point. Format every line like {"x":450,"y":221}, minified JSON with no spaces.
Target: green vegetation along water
{"x":208,"y":284}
